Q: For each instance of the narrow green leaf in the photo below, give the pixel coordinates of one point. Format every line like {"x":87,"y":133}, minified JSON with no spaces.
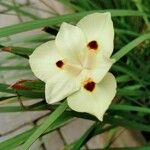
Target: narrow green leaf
{"x":123,"y":78}
{"x":26,"y":93}
{"x":44,"y":106}
{"x":5,"y":98}
{"x":21,"y":138}
{"x":126,"y":32}
{"x":79,"y":143}
{"x":124,"y":107}
{"x":127,"y":48}
{"x":27,"y":40}
{"x":39,"y":106}
{"x":130,"y":124}
{"x":127,"y":123}
{"x":5,"y":88}
{"x":21,"y":51}
{"x":36,"y":84}
{"x":20,"y":109}
{"x":41,"y":129}
{"x":22,"y":27}
{"x":95,"y":129}
{"x":144,"y":147}
{"x":126,"y":70}
{"x":9,"y":68}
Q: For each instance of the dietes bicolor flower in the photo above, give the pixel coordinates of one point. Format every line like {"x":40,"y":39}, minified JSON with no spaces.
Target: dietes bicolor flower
{"x":76,"y":64}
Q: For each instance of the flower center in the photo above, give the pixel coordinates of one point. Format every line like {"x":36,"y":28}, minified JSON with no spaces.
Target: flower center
{"x":59,"y":64}
{"x":93,"y":45}
{"x":90,"y":85}
{"x":85,"y":62}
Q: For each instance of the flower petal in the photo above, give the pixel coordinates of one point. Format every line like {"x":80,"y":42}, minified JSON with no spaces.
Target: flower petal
{"x":71,"y":42}
{"x":60,"y":86}
{"x":97,"y":101}
{"x":102,"y":66}
{"x":99,"y":27}
{"x":43,"y":61}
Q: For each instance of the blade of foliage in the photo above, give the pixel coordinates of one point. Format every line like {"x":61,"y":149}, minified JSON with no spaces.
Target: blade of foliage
{"x":144,"y":147}
{"x":21,"y":51}
{"x":32,"y":94}
{"x":5,"y":88}
{"x":33,"y":39}
{"x":95,"y":129}
{"x":123,"y":78}
{"x":43,"y":106}
{"x":9,"y":68}
{"x":21,"y":138}
{"x":123,"y":51}
{"x":13,"y":29}
{"x":125,"y":32}
{"x":39,"y":106}
{"x":128,"y":124}
{"x":43,"y":127}
{"x":126,"y":70}
{"x":124,"y":107}
{"x":35,"y":84}
{"x":5,"y":98}
{"x":78,"y":144}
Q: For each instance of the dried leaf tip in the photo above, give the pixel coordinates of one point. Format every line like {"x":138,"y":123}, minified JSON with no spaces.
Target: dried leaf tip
{"x":20,"y":85}
{"x":6,"y":49}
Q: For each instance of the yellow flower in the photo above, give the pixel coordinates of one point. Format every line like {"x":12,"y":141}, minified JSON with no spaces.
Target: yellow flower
{"x":76,"y":64}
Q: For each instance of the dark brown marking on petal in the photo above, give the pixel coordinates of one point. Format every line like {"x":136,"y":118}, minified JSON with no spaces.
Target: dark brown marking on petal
{"x":93,"y":45}
{"x":59,"y":64}
{"x":90,"y":85}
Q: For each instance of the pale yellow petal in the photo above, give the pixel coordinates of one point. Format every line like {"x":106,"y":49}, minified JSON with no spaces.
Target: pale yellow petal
{"x":102,"y":66}
{"x":97,"y":101}
{"x":99,"y":27}
{"x":43,"y":61}
{"x":60,"y":86}
{"x":70,"y":42}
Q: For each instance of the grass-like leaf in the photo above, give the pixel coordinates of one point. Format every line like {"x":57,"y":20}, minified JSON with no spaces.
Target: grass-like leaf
{"x":21,"y":138}
{"x":40,"y":130}
{"x":20,"y":51}
{"x":78,"y":144}
{"x":13,"y":29}
{"x":32,"y":94}
{"x":124,"y":50}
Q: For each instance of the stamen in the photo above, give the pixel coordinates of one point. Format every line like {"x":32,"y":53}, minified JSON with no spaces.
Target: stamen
{"x":93,"y":45}
{"x":59,"y":64}
{"x":90,"y":85}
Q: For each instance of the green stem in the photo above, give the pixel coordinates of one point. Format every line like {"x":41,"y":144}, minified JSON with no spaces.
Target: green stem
{"x":45,"y":125}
